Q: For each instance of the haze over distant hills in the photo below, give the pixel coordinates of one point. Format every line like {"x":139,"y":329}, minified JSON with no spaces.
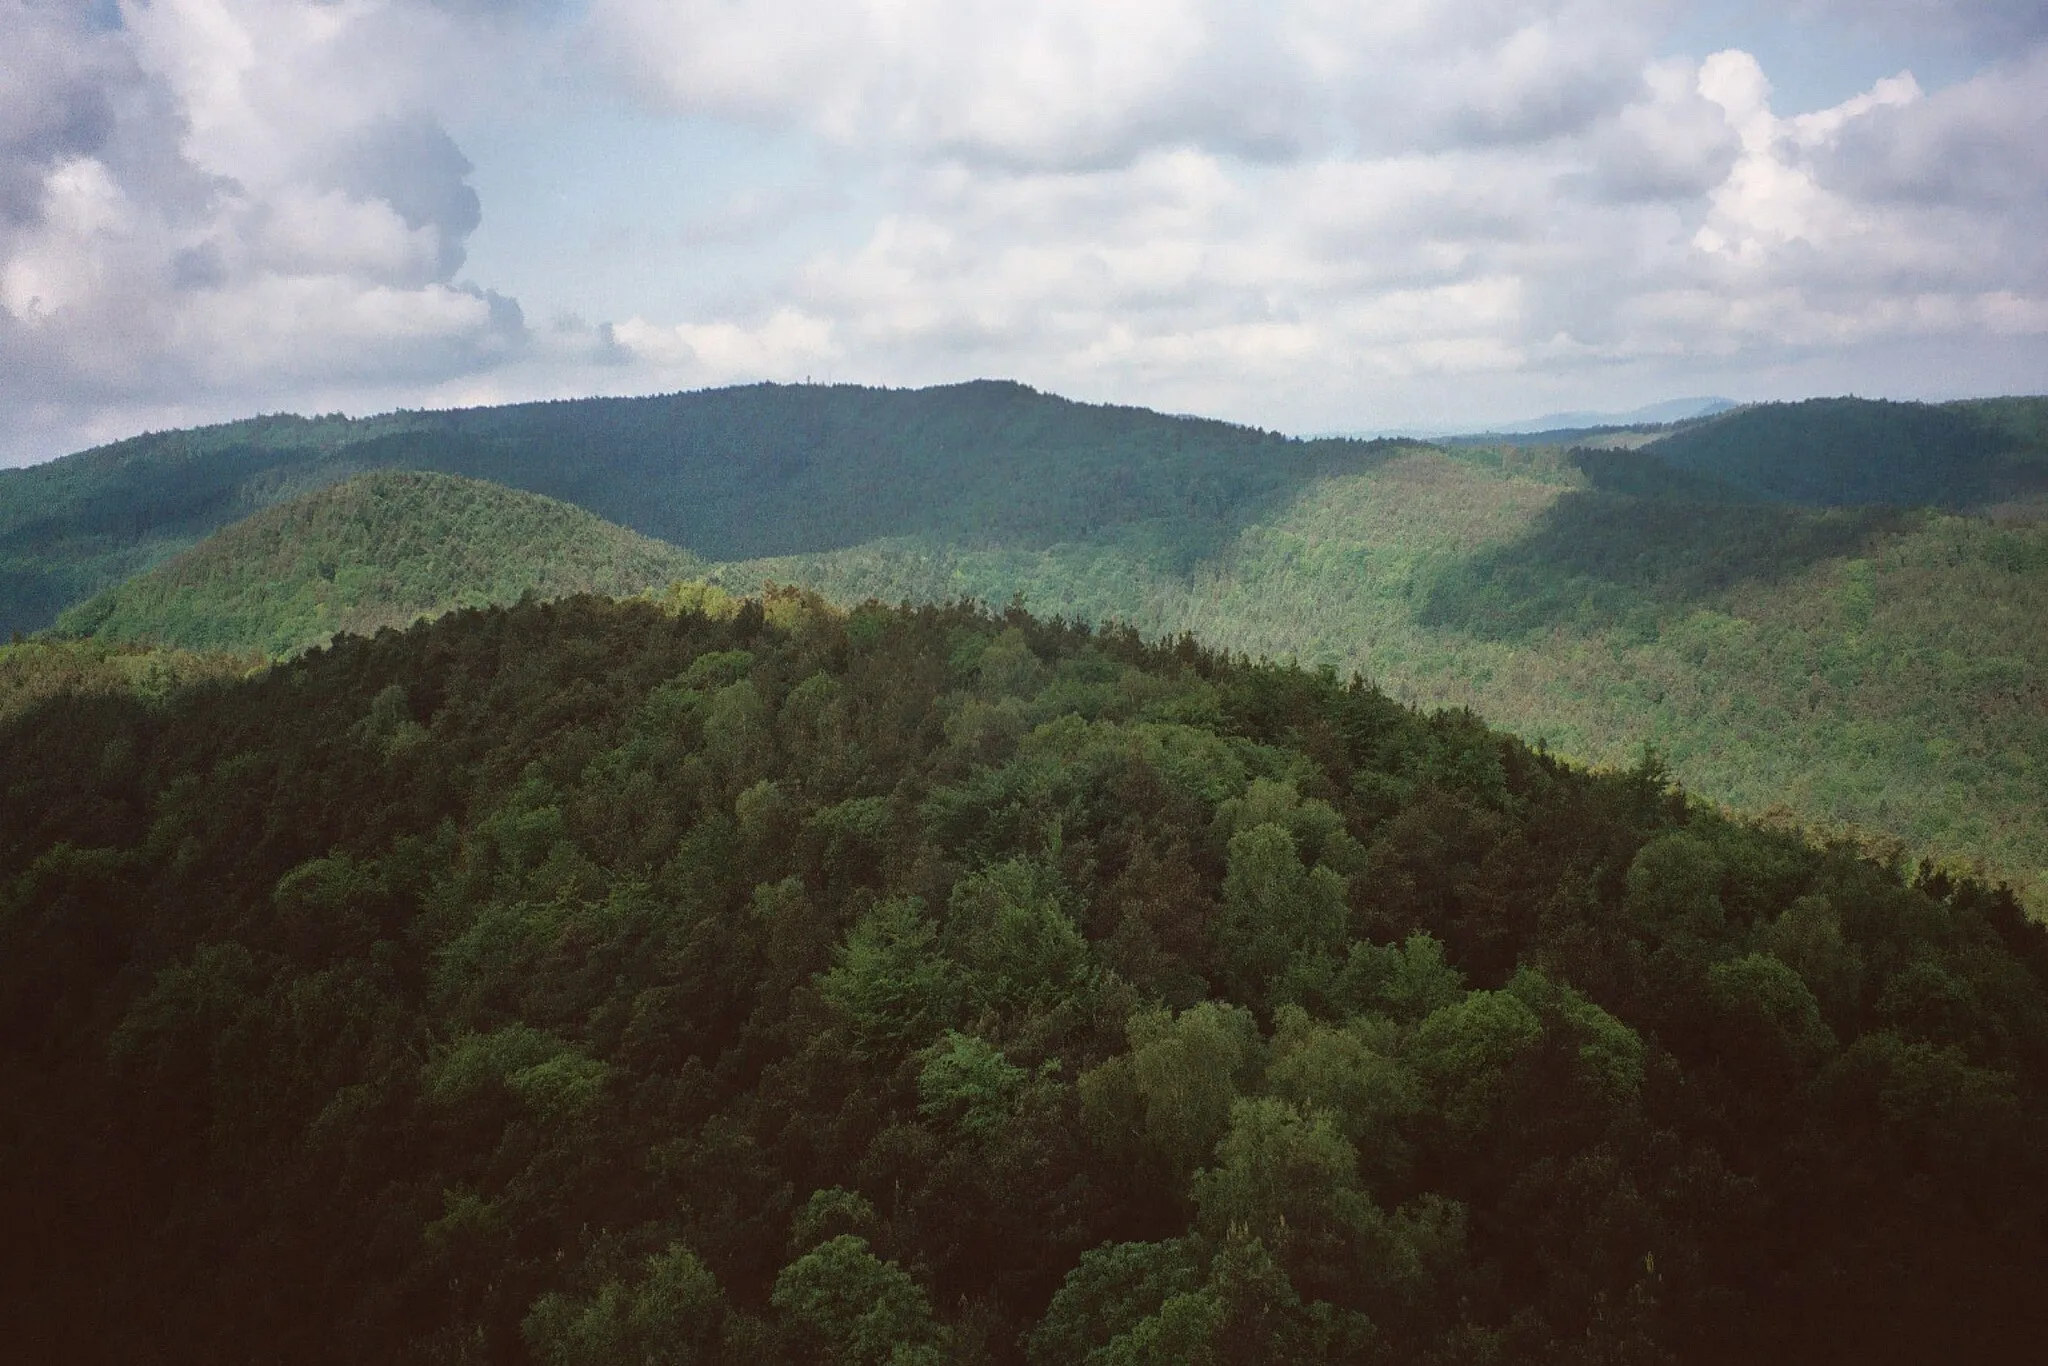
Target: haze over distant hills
{"x":1670,"y":410}
{"x":1875,"y":665}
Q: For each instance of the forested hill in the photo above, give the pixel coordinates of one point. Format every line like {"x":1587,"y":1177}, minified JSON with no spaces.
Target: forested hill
{"x":378,"y":550}
{"x":588,"y":983}
{"x":1870,"y":670}
{"x":1844,"y":452}
{"x":729,"y":473}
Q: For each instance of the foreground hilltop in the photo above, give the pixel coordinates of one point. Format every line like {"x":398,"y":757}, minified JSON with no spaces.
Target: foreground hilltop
{"x":594,"y":982}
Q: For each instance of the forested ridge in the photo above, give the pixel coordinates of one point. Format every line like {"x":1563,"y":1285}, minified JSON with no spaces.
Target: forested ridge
{"x":706,"y":980}
{"x":762,"y":469}
{"x":1874,"y":668}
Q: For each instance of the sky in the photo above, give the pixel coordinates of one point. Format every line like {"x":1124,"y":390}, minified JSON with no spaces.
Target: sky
{"x":1306,"y":215}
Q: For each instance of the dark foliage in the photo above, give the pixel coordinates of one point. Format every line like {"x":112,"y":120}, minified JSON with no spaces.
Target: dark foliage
{"x":1839,"y":452}
{"x":1595,"y":558}
{"x":589,"y":982}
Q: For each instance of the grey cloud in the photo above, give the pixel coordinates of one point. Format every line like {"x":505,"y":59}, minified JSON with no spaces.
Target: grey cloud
{"x":200,"y":267}
{"x":1984,"y":142}
{"x":1673,"y":148}
{"x":134,"y":273}
{"x":414,"y":166}
{"x":53,"y":103}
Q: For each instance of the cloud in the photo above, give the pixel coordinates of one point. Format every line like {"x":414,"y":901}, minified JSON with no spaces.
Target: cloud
{"x":211,"y":197}
{"x":1987,"y":26}
{"x":1081,"y":83}
{"x":1980,"y":144}
{"x":1310,"y":212}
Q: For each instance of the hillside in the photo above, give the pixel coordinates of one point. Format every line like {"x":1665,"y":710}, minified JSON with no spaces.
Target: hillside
{"x":378,"y":550}
{"x":1865,"y":671}
{"x":761,"y":470}
{"x":1871,"y":671}
{"x":590,"y":982}
{"x":1845,"y":452}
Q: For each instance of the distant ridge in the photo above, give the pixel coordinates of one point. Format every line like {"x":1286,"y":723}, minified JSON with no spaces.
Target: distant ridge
{"x":1561,"y":424}
{"x":761,"y":469}
{"x":382,"y":549}
{"x":1651,"y":414}
{"x":1851,"y":452}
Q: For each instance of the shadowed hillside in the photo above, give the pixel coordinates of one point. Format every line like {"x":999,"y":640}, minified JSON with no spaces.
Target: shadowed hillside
{"x":730,"y":473}
{"x":1838,"y":452}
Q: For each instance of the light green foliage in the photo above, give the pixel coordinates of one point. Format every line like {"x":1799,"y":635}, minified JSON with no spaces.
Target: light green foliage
{"x":968,"y":1083}
{"x":1275,"y":909}
{"x":1674,"y":892}
{"x":1287,"y":1175}
{"x":1110,"y":1292}
{"x":1318,"y":831}
{"x":1176,"y":1304}
{"x":218,"y":991}
{"x":552,"y":1079}
{"x":1807,"y":937}
{"x":1006,"y":667}
{"x":737,"y":739}
{"x":1769,"y":1023}
{"x":890,"y":983}
{"x":1008,"y":926}
{"x":1405,"y":981}
{"x":1350,"y":1075}
{"x":670,"y":1315}
{"x":1741,"y":638}
{"x":380,"y":550}
{"x":1607,"y":1058}
{"x":416,"y":1055}
{"x":38,"y":670}
{"x":827,"y":1215}
{"x":699,"y":596}
{"x":1169,"y":1098}
{"x":1930,"y":1100}
{"x":1865,"y":670}
{"x":853,"y":1308}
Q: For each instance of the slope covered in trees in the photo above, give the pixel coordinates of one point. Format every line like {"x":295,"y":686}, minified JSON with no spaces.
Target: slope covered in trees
{"x":1864,"y":670}
{"x":595,"y":982}
{"x":1843,"y":452}
{"x":379,"y":550}
{"x":761,"y":470}
{"x":1874,"y":668}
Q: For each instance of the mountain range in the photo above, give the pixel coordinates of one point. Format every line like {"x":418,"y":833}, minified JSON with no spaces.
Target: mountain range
{"x":441,"y":925}
{"x":1828,"y":610}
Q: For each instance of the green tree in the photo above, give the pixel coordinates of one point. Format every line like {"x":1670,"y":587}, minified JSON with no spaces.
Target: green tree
{"x":841,"y":1303}
{"x":889,"y":982}
{"x":670,"y":1315}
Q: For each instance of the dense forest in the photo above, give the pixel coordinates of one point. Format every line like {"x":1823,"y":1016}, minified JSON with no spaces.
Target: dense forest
{"x":1843,"y":452}
{"x":1875,"y":670}
{"x":1872,"y":670}
{"x":382,"y":549}
{"x":727,"y":473}
{"x":712,"y":980}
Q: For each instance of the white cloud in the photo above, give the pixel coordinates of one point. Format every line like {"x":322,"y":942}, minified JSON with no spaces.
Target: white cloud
{"x":222,"y":197}
{"x":1311,"y":212}
{"x":1068,"y":83}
